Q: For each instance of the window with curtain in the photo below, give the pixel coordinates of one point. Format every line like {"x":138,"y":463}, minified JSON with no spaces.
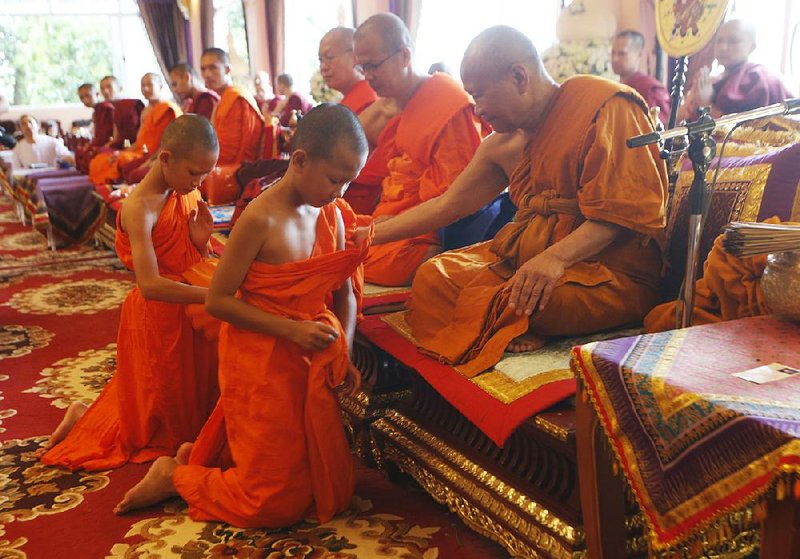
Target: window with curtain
{"x":49,"y":47}
{"x":306,"y":23}
{"x":230,"y":34}
{"x":777,"y":24}
{"x":447,"y":26}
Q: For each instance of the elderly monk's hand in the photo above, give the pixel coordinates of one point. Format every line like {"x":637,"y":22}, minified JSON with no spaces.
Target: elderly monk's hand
{"x":312,"y":335}
{"x":201,"y":225}
{"x":534,"y":282}
{"x":352,"y":380}
{"x":360,"y":236}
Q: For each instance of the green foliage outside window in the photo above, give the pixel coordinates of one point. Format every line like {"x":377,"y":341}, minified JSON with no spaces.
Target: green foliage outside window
{"x":44,"y":59}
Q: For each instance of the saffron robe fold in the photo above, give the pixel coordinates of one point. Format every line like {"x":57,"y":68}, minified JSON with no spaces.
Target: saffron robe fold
{"x":359,"y":97}
{"x":573,"y":170}
{"x":729,"y":289}
{"x":239,"y":124}
{"x":165,"y":385}
{"x":425,"y":148}
{"x":201,"y":103}
{"x":106,"y":167}
{"x":748,"y":87}
{"x":274,"y":450}
{"x":653,"y":92}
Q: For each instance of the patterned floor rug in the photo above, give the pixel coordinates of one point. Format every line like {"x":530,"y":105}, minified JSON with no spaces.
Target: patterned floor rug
{"x":59,"y":313}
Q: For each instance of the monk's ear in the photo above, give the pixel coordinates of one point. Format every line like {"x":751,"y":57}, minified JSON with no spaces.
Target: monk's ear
{"x":164,"y":156}
{"x":406,"y":55}
{"x":520,"y":76}
{"x":299,"y":159}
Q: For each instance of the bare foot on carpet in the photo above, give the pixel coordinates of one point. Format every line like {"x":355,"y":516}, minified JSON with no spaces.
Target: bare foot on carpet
{"x":526,"y":342}
{"x":184,"y":451}
{"x":74,"y":412}
{"x":155,"y":487}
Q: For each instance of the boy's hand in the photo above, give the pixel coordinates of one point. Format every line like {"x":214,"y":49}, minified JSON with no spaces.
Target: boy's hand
{"x":201,"y":224}
{"x":352,"y":380}
{"x":314,"y":336}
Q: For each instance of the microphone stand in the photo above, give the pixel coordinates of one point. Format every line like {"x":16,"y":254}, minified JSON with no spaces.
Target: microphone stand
{"x":702,"y":149}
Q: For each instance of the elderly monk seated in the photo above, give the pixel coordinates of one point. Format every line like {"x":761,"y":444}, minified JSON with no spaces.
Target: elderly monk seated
{"x":584,"y":252}
{"x":195,"y":98}
{"x":743,"y":86}
{"x":238,"y":123}
{"x":626,"y":61}
{"x":337,"y":66}
{"x":106,"y":167}
{"x":421,"y":151}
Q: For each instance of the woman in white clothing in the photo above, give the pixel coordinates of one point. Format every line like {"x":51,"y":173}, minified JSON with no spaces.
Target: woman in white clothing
{"x":39,"y":148}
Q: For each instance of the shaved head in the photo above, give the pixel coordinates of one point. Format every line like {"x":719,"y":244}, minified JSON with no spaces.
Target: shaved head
{"x":636,"y":38}
{"x":188,"y":134}
{"x":734,"y":42}
{"x":740,"y":27}
{"x":155,"y":79}
{"x":392,"y":31}
{"x":339,"y":37}
{"x":220,"y":55}
{"x":183,"y":69}
{"x":496,"y":49}
{"x":326,"y":126}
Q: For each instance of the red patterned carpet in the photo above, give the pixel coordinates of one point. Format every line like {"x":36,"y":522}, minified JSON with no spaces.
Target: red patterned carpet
{"x":59,"y":313}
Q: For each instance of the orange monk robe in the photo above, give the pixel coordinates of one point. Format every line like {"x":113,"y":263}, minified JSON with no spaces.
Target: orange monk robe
{"x":238,"y":123}
{"x":165,"y":384}
{"x":427,"y":146}
{"x":574,"y":169}
{"x":359,"y":97}
{"x":274,"y":450}
{"x":105,"y":167}
{"x":729,"y":289}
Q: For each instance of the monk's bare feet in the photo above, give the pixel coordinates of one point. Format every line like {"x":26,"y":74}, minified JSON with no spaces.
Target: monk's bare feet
{"x":184,"y":451}
{"x":524,"y":343}
{"x":155,"y":487}
{"x":74,"y":413}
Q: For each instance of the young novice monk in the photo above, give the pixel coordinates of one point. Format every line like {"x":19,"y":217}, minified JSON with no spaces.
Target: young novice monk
{"x":165,"y":385}
{"x":274,"y":450}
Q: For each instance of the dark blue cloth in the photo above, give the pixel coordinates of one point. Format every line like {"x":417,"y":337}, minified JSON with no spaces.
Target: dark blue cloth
{"x":480,"y":226}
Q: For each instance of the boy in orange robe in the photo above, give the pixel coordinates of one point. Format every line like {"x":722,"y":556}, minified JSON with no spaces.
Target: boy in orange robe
{"x":422,"y":150}
{"x":105,"y":168}
{"x":584,"y":252}
{"x":274,"y":450}
{"x":165,"y":385}
{"x":238,"y":122}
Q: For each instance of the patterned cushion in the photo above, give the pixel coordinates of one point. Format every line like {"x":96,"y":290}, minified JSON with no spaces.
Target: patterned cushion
{"x":750,"y":188}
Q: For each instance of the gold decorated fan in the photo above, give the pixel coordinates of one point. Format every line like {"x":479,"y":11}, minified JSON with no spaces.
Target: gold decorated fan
{"x":685,"y":26}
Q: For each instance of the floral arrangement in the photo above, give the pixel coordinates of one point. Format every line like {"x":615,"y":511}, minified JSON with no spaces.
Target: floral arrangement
{"x":321,"y":92}
{"x":566,"y":59}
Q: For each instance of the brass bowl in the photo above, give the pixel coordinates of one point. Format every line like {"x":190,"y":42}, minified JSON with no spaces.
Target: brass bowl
{"x":780,"y":284}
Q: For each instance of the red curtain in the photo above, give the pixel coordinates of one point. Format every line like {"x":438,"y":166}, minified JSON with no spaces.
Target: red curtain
{"x":168,"y":31}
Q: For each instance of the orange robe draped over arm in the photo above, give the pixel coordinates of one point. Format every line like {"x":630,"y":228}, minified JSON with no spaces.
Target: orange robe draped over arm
{"x":105,"y":167}
{"x":239,"y":124}
{"x":165,"y":384}
{"x":574,"y":169}
{"x":359,"y":97}
{"x":274,"y":450}
{"x":428,"y":145}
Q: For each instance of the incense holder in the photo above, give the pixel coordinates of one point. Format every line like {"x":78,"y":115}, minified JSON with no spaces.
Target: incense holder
{"x":780,"y":284}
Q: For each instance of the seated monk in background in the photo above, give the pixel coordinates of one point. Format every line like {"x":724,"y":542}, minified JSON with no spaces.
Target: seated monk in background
{"x":290,"y":100}
{"x":626,"y":61}
{"x":421,"y":151}
{"x":102,"y":125}
{"x":265,"y":97}
{"x":165,"y":385}
{"x":584,"y":252}
{"x":743,"y":86}
{"x":238,"y":122}
{"x":195,"y":98}
{"x":337,"y":66}
{"x":110,"y":88}
{"x":127,"y":113}
{"x":107,"y":167}
{"x":274,"y":450}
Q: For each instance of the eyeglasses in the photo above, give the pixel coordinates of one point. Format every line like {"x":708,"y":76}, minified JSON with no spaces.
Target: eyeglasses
{"x":328,"y":58}
{"x":371,"y":68}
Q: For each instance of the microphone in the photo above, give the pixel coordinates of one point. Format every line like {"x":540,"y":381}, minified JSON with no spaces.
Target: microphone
{"x":707,"y":124}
